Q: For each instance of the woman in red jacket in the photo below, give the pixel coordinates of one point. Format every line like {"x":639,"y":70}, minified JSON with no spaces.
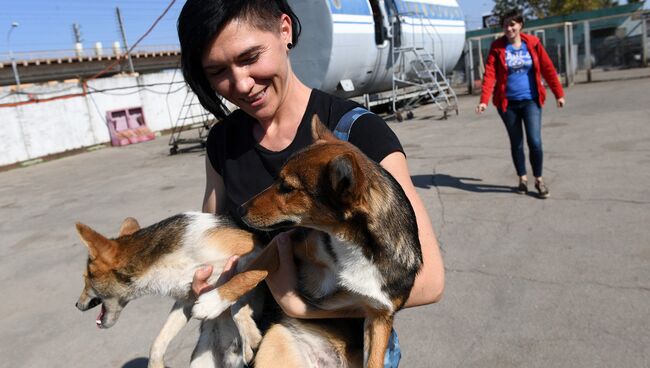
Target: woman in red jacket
{"x":514,"y":71}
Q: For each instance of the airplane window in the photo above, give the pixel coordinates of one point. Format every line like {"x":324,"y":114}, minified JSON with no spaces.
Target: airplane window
{"x":337,"y":4}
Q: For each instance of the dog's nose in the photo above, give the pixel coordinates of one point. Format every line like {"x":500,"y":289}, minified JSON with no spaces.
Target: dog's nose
{"x":242,"y":211}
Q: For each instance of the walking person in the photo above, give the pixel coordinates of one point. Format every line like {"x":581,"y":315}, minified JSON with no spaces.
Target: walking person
{"x":513,"y":72}
{"x":239,"y":50}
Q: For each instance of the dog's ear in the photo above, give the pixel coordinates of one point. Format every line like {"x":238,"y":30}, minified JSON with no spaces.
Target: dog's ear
{"x":319,"y":131}
{"x":99,"y":247}
{"x":345,"y":177}
{"x":129,"y":226}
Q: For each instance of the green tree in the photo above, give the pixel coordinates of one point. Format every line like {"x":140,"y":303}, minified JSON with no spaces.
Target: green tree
{"x":536,"y":9}
{"x":562,"y":7}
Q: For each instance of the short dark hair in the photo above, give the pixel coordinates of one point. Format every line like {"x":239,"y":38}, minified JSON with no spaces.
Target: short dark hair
{"x":201,"y":20}
{"x":512,"y":15}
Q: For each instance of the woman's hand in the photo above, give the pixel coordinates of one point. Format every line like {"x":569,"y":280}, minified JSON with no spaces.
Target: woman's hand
{"x":200,"y":283}
{"x":283,"y":282}
{"x":480,"y":108}
{"x":560,"y":102}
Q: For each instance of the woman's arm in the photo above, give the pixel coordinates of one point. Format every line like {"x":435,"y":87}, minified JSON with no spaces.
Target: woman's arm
{"x":213,"y":202}
{"x":549,"y":73}
{"x":490,"y":75}
{"x":429,"y":282}
{"x":214,"y":196}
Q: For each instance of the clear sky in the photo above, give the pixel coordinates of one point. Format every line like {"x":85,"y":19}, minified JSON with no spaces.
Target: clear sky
{"x":47,"y":24}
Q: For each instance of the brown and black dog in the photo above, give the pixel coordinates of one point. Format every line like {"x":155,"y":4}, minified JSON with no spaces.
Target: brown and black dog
{"x":362,"y":252}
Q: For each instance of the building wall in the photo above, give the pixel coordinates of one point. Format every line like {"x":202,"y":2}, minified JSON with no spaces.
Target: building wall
{"x":40,"y":129}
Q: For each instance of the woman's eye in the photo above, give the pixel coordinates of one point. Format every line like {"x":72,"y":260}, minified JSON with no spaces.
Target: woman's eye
{"x":215,"y":73}
{"x":251,"y":60}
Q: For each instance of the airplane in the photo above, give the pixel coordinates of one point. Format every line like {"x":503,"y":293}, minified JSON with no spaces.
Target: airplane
{"x":345,"y":46}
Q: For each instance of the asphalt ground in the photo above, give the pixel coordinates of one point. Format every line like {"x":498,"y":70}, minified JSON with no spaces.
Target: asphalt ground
{"x":561,"y":282}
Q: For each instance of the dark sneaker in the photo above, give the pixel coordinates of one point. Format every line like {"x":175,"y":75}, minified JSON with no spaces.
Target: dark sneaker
{"x":542,"y":189}
{"x":523,"y":187}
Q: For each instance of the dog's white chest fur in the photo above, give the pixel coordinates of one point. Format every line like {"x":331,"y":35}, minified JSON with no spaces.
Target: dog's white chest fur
{"x":358,"y":274}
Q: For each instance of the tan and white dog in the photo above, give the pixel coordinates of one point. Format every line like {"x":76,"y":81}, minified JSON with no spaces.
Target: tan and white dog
{"x":161,"y":260}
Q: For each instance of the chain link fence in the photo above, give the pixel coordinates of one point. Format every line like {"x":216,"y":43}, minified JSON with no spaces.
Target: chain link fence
{"x":611,"y":44}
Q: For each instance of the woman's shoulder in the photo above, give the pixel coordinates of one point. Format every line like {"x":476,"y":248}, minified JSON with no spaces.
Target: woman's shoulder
{"x":330,"y":108}
{"x":224,"y":127}
{"x":530,"y":40}
{"x":499,"y":43}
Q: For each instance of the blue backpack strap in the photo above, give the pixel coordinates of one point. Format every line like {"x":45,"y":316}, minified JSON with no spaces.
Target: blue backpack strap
{"x":343,"y":127}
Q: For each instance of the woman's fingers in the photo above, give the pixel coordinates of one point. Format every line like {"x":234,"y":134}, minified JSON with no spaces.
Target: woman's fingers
{"x":200,"y":280}
{"x":228,"y":270}
{"x":200,"y":283}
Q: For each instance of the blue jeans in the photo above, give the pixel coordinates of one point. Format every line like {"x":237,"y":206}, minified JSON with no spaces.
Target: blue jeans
{"x":530,"y":113}
{"x":393,"y":352}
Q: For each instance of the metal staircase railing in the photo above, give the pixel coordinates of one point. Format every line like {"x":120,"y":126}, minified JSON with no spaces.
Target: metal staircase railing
{"x":417,"y":76}
{"x":191,"y":117}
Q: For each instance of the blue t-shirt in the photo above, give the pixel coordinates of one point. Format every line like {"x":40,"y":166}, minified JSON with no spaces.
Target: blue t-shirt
{"x":521,"y":83}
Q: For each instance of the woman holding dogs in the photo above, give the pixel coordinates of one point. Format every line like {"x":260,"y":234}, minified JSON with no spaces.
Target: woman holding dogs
{"x":514,"y":70}
{"x":239,"y":50}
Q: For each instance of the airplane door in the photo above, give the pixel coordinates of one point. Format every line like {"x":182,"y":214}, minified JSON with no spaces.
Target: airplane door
{"x":393,"y":17}
{"x":381,"y":33}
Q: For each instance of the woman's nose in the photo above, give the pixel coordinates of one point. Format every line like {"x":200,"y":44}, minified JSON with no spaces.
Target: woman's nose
{"x":243,"y":81}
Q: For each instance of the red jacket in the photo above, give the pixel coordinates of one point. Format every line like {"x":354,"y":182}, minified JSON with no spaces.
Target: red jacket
{"x":496,"y":72}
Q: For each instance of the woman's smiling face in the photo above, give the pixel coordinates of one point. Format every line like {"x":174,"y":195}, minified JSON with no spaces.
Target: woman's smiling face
{"x":249,"y":66}
{"x":512,"y":29}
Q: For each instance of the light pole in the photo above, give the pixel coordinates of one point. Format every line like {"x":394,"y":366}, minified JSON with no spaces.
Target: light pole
{"x":11,"y":55}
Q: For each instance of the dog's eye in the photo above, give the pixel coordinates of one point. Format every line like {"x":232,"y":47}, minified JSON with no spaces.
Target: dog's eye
{"x":285,"y":188}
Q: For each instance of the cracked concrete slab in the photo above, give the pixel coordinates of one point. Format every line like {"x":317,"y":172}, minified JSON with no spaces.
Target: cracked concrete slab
{"x":562,"y":282}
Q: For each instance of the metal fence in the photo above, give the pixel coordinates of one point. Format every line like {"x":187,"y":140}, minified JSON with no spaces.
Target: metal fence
{"x":585,"y":50}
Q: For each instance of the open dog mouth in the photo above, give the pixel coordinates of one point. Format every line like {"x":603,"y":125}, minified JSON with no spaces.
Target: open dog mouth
{"x":93,"y":303}
{"x":100,"y":317}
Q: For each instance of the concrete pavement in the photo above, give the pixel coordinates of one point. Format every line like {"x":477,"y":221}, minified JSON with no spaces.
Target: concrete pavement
{"x":562,"y":282}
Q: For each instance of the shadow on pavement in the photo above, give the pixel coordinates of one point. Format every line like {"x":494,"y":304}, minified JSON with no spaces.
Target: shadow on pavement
{"x":136,"y":363}
{"x":467,"y":184}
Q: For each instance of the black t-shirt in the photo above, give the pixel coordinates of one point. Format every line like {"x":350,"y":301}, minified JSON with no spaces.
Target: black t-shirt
{"x":247,"y":168}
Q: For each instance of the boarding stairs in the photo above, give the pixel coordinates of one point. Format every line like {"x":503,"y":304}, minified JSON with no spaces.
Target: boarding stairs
{"x":190,"y":130}
{"x":417,"y":77}
{"x":425,"y":78}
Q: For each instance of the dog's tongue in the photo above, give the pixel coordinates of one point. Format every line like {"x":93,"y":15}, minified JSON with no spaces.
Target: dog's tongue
{"x":98,"y":320}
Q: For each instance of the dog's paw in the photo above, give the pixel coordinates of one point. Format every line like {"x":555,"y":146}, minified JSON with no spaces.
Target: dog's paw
{"x":210,"y":305}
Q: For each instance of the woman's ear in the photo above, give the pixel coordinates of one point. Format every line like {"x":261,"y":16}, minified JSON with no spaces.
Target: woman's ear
{"x":286,"y":32}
